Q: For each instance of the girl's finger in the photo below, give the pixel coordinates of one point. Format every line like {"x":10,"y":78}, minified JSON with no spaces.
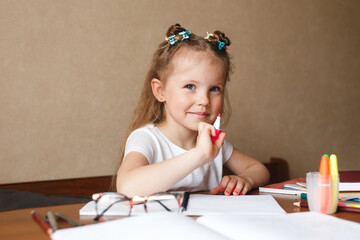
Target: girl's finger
{"x":238,"y":189}
{"x":220,"y":139}
{"x":230,"y":186}
{"x":216,"y":190}
{"x":224,"y":182}
{"x":245,"y":189}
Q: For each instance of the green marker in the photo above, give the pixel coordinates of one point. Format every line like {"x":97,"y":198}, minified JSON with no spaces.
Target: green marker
{"x":303,"y":196}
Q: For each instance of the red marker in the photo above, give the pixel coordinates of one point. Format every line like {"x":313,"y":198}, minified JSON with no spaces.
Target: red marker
{"x":324,"y":184}
{"x":217,"y":126}
{"x":41,"y":223}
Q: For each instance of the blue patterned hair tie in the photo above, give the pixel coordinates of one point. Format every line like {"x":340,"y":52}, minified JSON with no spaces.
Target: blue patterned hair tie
{"x":171,"y":39}
{"x":185,"y":34}
{"x":221,"y":45}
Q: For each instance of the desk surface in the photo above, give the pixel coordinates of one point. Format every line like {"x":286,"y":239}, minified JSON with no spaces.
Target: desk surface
{"x":18,"y":224}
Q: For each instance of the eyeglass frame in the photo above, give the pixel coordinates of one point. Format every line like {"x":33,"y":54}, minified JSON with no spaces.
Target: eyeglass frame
{"x":158,"y":197}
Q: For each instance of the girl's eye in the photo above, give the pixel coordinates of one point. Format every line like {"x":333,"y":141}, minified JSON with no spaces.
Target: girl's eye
{"x":190,"y":86}
{"x":215,"y":89}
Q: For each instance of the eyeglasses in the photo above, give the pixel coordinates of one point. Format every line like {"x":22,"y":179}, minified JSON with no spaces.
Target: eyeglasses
{"x":105,"y":201}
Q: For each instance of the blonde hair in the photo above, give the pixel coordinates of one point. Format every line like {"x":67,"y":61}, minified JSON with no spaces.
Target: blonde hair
{"x":149,"y":109}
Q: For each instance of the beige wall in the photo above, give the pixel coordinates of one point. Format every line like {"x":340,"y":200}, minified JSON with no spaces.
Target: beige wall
{"x":70,"y":74}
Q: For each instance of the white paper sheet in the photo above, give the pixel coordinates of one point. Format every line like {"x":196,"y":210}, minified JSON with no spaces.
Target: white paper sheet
{"x":200,"y":204}
{"x":305,"y":225}
{"x":151,"y":226}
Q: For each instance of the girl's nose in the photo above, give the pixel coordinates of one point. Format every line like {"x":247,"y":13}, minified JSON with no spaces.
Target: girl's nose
{"x":203,"y":99}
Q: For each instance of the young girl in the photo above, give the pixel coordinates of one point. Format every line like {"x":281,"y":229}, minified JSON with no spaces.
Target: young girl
{"x":169,"y":145}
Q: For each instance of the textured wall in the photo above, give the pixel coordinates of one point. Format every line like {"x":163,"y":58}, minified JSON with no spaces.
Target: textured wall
{"x":71,"y":71}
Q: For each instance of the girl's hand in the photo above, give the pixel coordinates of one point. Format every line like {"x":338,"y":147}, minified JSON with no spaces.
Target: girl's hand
{"x":204,"y":144}
{"x":237,"y":185}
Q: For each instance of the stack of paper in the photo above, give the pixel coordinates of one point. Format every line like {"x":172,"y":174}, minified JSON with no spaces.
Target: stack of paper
{"x":199,"y":204}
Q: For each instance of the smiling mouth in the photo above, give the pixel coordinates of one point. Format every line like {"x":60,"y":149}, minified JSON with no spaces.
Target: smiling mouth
{"x":199,"y":115}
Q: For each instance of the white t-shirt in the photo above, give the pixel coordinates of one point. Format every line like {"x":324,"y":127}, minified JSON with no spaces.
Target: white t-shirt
{"x":156,"y":147}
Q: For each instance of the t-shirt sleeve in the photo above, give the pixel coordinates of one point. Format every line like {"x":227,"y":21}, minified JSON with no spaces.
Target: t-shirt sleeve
{"x":142,"y":142}
{"x":227,"y":149}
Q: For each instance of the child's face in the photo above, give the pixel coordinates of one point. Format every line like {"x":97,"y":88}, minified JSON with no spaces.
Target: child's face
{"x":194,"y":90}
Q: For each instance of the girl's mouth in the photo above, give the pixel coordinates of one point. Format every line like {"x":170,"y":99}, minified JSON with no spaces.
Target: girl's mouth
{"x":199,"y":115}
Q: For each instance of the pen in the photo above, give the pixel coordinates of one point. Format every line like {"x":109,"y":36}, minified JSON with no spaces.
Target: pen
{"x":184,"y":202}
{"x":340,"y":207}
{"x":217,"y":127}
{"x":323,"y":186}
{"x":68,"y":220}
{"x":41,"y":223}
{"x":52,"y":221}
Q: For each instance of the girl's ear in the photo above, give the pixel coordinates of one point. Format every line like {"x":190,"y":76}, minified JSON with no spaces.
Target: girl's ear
{"x":158,"y":89}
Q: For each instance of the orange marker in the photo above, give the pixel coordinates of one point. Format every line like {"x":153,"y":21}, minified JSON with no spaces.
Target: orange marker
{"x":323,"y":186}
{"x":217,"y":126}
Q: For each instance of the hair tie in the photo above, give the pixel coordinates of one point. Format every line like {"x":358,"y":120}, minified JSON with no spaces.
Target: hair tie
{"x":171,"y":39}
{"x":208,"y":36}
{"x":221,"y":45}
{"x":183,"y":34}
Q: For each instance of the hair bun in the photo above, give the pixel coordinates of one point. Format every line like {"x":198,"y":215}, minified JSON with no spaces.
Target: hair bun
{"x":217,"y":36}
{"x":174,"y":30}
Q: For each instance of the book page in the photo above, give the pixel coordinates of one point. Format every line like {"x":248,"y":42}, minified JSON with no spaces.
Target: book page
{"x":305,"y":225}
{"x":151,"y":226}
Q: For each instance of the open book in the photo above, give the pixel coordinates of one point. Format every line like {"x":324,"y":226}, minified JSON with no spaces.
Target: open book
{"x":306,"y":225}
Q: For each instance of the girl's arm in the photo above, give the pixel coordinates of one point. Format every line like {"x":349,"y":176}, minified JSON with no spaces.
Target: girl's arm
{"x":137,"y":177}
{"x":250,"y":174}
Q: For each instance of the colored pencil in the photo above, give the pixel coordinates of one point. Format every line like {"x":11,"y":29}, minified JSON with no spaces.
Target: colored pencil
{"x":347,"y":204}
{"x":41,"y":223}
{"x":339,"y":208}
